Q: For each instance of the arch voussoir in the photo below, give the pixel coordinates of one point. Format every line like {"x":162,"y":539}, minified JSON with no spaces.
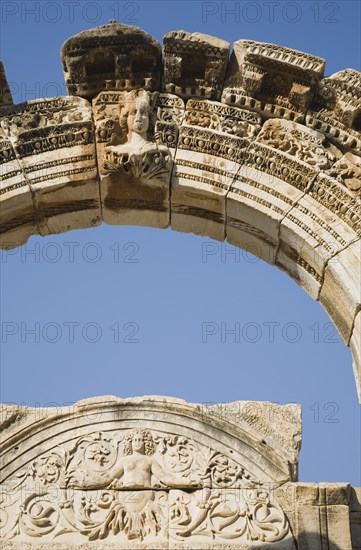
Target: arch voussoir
{"x":212,"y":145}
{"x":341,"y":290}
{"x":355,"y":345}
{"x":324,"y":221}
{"x":53,"y":142}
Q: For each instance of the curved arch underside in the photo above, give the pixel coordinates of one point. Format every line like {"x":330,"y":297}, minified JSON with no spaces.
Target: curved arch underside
{"x":262,"y":151}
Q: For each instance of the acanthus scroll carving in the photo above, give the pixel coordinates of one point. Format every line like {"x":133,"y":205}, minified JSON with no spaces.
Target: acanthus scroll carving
{"x":227,"y":515}
{"x":128,"y":486}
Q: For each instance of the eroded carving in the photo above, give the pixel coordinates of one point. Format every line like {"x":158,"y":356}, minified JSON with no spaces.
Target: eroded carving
{"x":229,"y":515}
{"x":131,"y":149}
{"x":113,"y":57}
{"x":297,"y":141}
{"x":348,"y":172}
{"x":194,"y":64}
{"x":223,"y":118}
{"x":130,"y":484}
{"x":272,"y":80}
{"x":5,"y":93}
{"x":336,"y":110}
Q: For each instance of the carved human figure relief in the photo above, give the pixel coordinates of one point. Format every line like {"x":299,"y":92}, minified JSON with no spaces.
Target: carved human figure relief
{"x":134,"y":486}
{"x":131,"y":148}
{"x":135,"y":467}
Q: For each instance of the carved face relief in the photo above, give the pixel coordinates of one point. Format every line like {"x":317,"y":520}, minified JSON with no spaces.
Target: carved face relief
{"x":138,"y":117}
{"x":139,"y":441}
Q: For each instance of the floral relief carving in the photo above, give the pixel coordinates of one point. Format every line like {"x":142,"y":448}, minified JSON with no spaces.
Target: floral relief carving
{"x":227,"y":515}
{"x":296,"y":141}
{"x":348,"y":172}
{"x":130,"y":484}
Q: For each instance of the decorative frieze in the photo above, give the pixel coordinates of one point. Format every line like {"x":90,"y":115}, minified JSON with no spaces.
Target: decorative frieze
{"x":155,"y":478}
{"x":279,"y":165}
{"x":18,"y":219}
{"x":53,"y":140}
{"x":156,"y":472}
{"x":211,"y":146}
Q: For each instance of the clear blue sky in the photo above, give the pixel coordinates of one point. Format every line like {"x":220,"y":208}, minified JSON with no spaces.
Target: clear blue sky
{"x":89,"y":294}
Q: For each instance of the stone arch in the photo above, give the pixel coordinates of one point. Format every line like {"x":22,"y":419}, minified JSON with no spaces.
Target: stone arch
{"x":263,"y":151}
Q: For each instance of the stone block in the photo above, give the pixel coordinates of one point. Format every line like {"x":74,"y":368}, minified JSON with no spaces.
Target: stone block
{"x":194,"y":64}
{"x":272,"y":80}
{"x":341,"y":290}
{"x":111,"y":57}
{"x":355,"y":345}
{"x":210,"y":150}
{"x":323,"y":222}
{"x":136,"y":134}
{"x":335,"y":110}
{"x":54,"y":143}
{"x":279,"y":166}
{"x":17,"y":208}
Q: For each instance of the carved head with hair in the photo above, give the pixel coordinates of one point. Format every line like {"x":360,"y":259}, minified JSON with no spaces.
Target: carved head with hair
{"x":136,"y":114}
{"x":139,"y":440}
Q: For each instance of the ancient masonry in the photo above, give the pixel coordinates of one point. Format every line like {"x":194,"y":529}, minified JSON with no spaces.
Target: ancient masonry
{"x":262,"y":150}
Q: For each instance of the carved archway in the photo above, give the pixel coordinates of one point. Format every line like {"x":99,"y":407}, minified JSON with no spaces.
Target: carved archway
{"x":262,"y":151}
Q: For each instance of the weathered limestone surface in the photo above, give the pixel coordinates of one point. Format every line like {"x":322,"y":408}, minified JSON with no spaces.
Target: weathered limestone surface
{"x":343,"y":301}
{"x":355,"y":345}
{"x":324,"y":221}
{"x":17,"y":210}
{"x":136,"y":136}
{"x":111,"y":57}
{"x":280,"y":164}
{"x":148,"y":472}
{"x":53,"y":141}
{"x":212,"y":141}
{"x":335,"y":109}
{"x":355,"y":517}
{"x":194,"y":64}
{"x":272,"y":80}
{"x":262,"y":151}
{"x":5,"y":93}
{"x":156,"y":472}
